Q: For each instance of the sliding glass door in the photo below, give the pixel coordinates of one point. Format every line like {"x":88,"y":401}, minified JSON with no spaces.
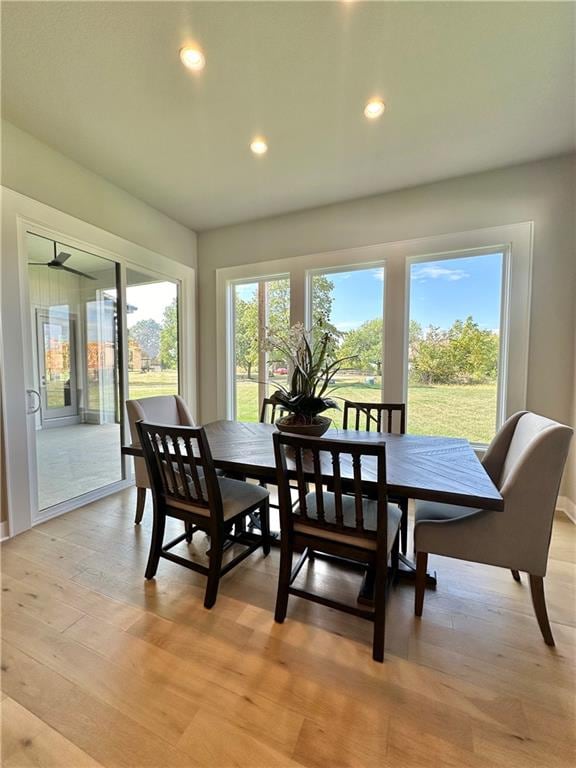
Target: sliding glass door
{"x":74,"y":322}
{"x":92,"y":350}
{"x":152,"y":311}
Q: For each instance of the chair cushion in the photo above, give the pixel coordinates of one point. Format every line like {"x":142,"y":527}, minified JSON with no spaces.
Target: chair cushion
{"x":434,"y":510}
{"x":349,"y":516}
{"x":237,"y":497}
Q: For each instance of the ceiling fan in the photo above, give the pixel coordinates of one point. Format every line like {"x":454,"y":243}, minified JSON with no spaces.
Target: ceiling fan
{"x":58,"y":262}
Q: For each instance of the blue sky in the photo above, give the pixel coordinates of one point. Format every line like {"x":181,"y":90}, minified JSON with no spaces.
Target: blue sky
{"x":440,"y":293}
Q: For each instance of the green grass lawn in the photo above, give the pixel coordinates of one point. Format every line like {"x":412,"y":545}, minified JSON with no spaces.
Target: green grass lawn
{"x":152,"y":383}
{"x":452,"y":410}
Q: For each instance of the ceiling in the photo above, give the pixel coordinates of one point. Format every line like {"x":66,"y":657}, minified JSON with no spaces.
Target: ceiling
{"x":468,"y":87}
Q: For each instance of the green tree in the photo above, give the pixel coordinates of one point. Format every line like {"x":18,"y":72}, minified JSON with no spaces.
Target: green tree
{"x":169,"y":336}
{"x":364,"y":345}
{"x":146,"y":333}
{"x":246,"y":333}
{"x":464,"y":354}
{"x":474,"y":352}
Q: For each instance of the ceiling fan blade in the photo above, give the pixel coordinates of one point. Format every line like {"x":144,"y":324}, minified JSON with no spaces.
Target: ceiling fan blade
{"x":38,"y":263}
{"x":62,"y":257}
{"x":77,"y":272}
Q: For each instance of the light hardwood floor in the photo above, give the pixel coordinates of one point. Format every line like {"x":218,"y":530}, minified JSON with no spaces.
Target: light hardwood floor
{"x":100,"y":668}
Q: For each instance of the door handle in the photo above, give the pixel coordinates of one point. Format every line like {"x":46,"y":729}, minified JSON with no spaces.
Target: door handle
{"x":32,"y":408}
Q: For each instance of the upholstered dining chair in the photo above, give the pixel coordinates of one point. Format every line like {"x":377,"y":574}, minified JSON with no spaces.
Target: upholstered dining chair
{"x":346,"y":525}
{"x":383,"y":417}
{"x":185,"y":486}
{"x":525,"y":461}
{"x":162,"y":409}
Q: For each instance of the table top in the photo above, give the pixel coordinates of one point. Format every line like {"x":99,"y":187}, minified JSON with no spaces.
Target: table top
{"x":441,"y":469}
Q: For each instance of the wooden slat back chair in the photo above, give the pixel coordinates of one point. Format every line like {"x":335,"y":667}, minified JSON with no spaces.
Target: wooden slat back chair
{"x":382,"y":417}
{"x":185,"y":486}
{"x":341,"y":522}
{"x":270,"y":411}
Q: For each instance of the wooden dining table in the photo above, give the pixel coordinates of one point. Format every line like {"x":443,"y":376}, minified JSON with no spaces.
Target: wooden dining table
{"x":429,"y":468}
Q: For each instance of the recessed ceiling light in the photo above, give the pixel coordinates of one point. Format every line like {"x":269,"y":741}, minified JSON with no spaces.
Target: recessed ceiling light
{"x":374,"y":108}
{"x":192,"y":58}
{"x":259,"y":146}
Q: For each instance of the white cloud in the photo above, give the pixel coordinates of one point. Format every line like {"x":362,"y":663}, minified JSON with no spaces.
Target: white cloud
{"x":348,"y":325}
{"x":378,"y":274}
{"x":436,"y":272}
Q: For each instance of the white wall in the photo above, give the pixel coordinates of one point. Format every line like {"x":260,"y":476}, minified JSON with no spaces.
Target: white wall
{"x":38,"y":171}
{"x":542,"y":192}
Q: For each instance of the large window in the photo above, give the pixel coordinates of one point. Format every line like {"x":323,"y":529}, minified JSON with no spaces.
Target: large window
{"x":440,"y":323}
{"x":351,"y":303}
{"x":259,"y":307}
{"x":454,"y":346}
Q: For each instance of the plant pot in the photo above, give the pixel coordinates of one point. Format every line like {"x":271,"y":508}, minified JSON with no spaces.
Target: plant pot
{"x":316,"y":429}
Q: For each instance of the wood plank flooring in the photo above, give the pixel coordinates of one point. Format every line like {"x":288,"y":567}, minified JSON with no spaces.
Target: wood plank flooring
{"x":101,"y":668}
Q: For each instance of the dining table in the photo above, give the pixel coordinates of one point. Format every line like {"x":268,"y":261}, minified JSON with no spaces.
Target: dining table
{"x":421,"y":467}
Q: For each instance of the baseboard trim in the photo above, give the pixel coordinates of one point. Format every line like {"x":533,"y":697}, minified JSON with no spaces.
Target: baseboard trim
{"x":4,"y":531}
{"x":567,"y":506}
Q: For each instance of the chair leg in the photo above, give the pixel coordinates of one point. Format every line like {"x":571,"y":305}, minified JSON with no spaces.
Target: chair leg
{"x":515,"y":575}
{"x":420,"y":586}
{"x":188,"y":527}
{"x":283,"y":579}
{"x":539,"y":603}
{"x":214,"y":574}
{"x":155,"y":544}
{"x":265,"y":526}
{"x":378,"y":640}
{"x":404,"y":526}
{"x":140,"y":504}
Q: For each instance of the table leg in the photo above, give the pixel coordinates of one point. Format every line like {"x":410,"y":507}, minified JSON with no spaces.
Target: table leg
{"x":406,"y":572}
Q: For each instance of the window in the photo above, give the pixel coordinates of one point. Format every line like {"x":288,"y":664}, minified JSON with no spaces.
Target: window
{"x":458,"y":300}
{"x":454,"y":346}
{"x":257,"y":306}
{"x":153,"y":344}
{"x":351,"y":303}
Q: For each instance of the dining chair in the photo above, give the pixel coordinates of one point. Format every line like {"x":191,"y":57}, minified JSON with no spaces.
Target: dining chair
{"x":185,"y":486}
{"x":161,"y":409}
{"x":383,"y":417}
{"x":269,"y":410}
{"x":525,"y":461}
{"x":337,"y":523}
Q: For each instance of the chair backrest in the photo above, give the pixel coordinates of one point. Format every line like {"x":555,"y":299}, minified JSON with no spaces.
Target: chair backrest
{"x":380,"y":416}
{"x":528,"y":476}
{"x":270,"y":411}
{"x":313,"y":461}
{"x":161,"y":409}
{"x":181,"y":468}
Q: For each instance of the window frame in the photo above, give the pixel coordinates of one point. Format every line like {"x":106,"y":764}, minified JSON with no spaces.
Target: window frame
{"x":502,"y":382}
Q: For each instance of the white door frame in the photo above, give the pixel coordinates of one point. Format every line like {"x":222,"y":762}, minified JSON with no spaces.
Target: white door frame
{"x":19,"y":215}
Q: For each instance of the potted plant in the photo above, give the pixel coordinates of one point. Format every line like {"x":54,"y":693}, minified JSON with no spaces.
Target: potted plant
{"x":312,"y":367}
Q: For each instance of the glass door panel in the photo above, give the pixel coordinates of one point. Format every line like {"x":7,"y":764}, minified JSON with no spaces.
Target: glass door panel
{"x":153,"y":344}
{"x":75,"y":326}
